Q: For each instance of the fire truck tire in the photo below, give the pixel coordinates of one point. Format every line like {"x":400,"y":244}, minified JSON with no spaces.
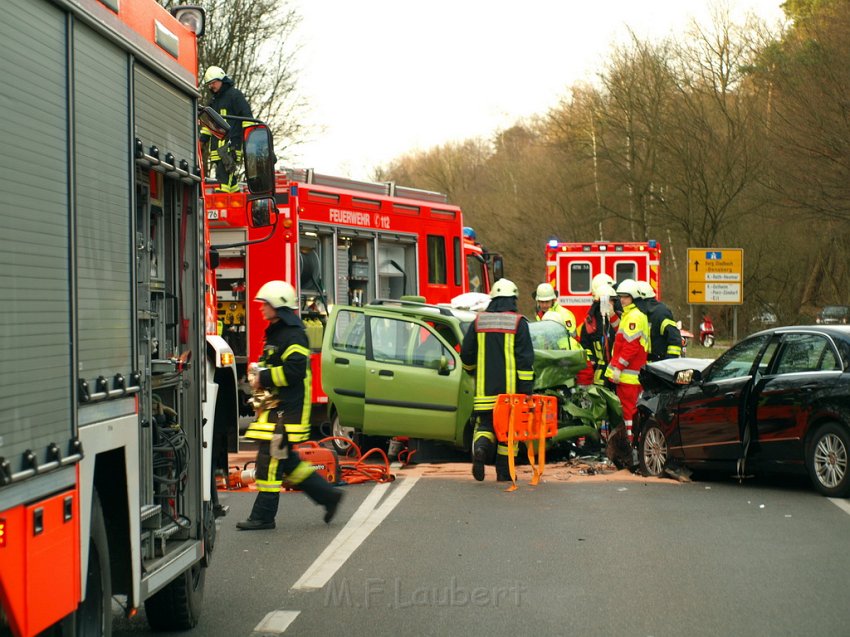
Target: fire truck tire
{"x":178,"y":605}
{"x":94,"y":614}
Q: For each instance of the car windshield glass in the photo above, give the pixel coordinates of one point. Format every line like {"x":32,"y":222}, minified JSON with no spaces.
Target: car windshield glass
{"x":738,"y":361}
{"x":835,"y":311}
{"x":546,"y":334}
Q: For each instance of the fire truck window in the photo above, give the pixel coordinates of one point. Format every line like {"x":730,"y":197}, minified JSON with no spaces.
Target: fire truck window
{"x":475,"y":268}
{"x":436,"y":260}
{"x":580,"y":277}
{"x":625,"y":270}
{"x":350,"y":333}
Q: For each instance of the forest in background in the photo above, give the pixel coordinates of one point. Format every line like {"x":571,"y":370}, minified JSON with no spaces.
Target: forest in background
{"x":735,"y":135}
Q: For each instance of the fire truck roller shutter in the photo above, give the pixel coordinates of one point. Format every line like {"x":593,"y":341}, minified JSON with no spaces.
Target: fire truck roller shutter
{"x":34,"y":245}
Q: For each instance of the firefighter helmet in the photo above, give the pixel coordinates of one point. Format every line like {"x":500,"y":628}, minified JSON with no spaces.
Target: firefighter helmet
{"x":628,"y":287}
{"x":278,"y":294}
{"x":503,"y":287}
{"x":555,"y":317}
{"x":605,"y":292}
{"x":214,"y":73}
{"x":599,"y":280}
{"x":545,"y":292}
{"x":645,"y":290}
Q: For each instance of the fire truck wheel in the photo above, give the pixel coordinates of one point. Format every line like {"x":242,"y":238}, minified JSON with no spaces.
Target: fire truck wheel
{"x":94,"y":614}
{"x":178,"y":605}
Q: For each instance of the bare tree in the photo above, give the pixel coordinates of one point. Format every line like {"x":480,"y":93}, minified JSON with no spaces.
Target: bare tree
{"x":253,"y":41}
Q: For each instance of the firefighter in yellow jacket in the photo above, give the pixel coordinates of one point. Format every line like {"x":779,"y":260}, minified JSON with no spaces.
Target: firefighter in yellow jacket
{"x":546,"y":298}
{"x":282,"y":385}
{"x":630,"y":349}
{"x":498,"y":351}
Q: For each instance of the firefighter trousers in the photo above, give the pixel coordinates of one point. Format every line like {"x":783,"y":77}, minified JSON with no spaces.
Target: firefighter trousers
{"x":270,"y":473}
{"x":486,"y":449}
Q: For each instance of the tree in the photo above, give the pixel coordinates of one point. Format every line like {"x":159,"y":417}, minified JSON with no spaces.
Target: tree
{"x":252,"y":40}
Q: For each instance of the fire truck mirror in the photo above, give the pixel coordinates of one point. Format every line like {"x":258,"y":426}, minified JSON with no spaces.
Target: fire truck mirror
{"x":498,"y":267}
{"x":263,"y":213}
{"x":259,"y":160}
{"x":216,"y":124}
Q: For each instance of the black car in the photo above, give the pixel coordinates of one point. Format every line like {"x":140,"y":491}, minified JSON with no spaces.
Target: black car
{"x":832,"y":314}
{"x":777,"y":400}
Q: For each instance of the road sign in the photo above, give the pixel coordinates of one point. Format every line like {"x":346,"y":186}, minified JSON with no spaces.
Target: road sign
{"x":715,"y":276}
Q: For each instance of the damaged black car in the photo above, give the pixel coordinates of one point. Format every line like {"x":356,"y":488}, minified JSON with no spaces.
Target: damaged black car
{"x":778,"y":400}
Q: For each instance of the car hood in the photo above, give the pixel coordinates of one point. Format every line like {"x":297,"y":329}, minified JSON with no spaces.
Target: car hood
{"x":662,"y":374}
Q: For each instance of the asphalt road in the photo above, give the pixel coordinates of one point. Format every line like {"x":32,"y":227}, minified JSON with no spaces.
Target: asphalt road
{"x":438,"y":556}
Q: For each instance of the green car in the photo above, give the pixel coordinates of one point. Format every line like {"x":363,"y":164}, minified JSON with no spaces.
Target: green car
{"x":392,"y":368}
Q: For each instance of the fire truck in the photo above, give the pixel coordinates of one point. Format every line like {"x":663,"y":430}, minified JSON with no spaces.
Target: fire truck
{"x":111,"y":385}
{"x":340,"y":241}
{"x":571,"y":266}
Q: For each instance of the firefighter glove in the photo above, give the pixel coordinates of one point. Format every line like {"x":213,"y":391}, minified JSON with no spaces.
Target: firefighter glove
{"x":228,"y":161}
{"x":615,"y":375}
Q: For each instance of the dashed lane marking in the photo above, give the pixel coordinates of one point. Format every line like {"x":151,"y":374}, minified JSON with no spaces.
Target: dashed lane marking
{"x":365,"y":520}
{"x":276,"y":622}
{"x":841,"y":503}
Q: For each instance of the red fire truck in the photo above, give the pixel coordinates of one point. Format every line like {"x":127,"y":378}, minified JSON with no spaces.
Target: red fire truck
{"x":111,"y":389}
{"x":340,"y":241}
{"x":571,"y":266}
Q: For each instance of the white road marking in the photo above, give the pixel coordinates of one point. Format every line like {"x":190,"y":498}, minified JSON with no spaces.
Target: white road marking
{"x":277,"y":621}
{"x":841,"y":503}
{"x":365,"y":520}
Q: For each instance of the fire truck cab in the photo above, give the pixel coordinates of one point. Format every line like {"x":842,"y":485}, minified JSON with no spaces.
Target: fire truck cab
{"x":340,"y":241}
{"x":571,"y":266}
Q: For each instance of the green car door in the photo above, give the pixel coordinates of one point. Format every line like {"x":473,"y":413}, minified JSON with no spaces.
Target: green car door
{"x":415,"y":384}
{"x":344,"y":364}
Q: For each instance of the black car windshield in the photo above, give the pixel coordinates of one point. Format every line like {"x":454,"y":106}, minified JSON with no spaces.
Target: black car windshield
{"x":836,"y":311}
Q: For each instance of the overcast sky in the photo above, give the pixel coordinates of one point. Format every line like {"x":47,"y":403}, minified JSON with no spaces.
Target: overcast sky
{"x":385,"y":77}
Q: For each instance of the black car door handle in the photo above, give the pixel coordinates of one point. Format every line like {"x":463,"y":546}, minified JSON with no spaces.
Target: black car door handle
{"x":385,"y":372}
{"x":341,"y":361}
{"x":729,"y":395}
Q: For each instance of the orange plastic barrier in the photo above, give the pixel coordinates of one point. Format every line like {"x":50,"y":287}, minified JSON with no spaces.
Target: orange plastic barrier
{"x":530,"y":419}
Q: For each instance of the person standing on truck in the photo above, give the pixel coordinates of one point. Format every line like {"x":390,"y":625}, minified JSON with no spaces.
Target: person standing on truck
{"x":282,"y":384}
{"x":226,"y":154}
{"x":546,"y":298}
{"x":629,"y":354}
{"x":665,"y":339}
{"x":597,"y":332}
{"x":497,"y":350}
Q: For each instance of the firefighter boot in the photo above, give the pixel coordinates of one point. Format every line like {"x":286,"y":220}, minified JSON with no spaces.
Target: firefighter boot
{"x":318,"y":490}
{"x":263,"y":512}
{"x":503,"y":472}
{"x":482,"y":453}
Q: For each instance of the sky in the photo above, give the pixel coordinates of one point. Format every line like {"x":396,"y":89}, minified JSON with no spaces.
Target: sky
{"x":388,"y":77}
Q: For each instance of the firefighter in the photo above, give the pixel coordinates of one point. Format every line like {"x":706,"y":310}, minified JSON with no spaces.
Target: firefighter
{"x":597,"y":332}
{"x":665,"y":339}
{"x":629,"y":354}
{"x":226,"y":154}
{"x":498,"y":351}
{"x":546,"y":298}
{"x":282,"y":383}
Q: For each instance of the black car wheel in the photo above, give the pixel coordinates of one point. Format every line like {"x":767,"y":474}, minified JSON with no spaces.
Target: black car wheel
{"x":652,"y":451}
{"x":827,"y":460}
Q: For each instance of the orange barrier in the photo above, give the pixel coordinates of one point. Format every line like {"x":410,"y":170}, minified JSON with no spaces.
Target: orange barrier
{"x":529,"y":419}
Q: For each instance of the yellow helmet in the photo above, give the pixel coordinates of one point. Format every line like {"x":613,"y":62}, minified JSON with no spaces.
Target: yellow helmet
{"x":278,"y":294}
{"x":503,"y":287}
{"x":645,"y":290}
{"x":545,"y":292}
{"x":214,"y":73}
{"x":628,"y":287}
{"x":599,"y":280}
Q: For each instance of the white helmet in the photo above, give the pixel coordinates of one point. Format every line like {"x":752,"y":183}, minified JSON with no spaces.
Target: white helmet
{"x":605,"y":292}
{"x":278,"y":294}
{"x":628,"y":287}
{"x":545,"y":292}
{"x":503,"y":287}
{"x":555,"y":317}
{"x":214,"y":73}
{"x":645,"y":290}
{"x":599,"y":280}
